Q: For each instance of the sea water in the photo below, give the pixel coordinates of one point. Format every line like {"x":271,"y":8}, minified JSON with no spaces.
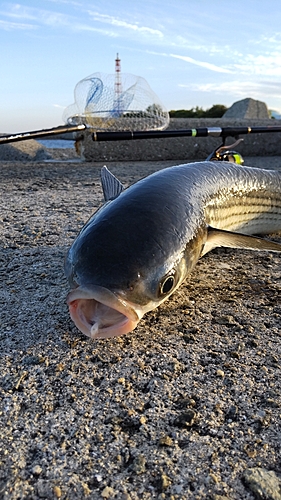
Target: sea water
{"x":56,"y":143}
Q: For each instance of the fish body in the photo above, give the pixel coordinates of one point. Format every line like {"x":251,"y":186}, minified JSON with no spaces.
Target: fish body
{"x":138,"y":248}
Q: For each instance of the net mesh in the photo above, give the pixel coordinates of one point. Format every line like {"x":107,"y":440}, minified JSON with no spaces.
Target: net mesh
{"x":102,"y":104}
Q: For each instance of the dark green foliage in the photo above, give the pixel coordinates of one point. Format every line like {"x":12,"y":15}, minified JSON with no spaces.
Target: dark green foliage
{"x":216,"y":111}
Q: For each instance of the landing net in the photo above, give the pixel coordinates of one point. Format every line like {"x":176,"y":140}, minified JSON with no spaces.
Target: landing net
{"x":102,"y":106}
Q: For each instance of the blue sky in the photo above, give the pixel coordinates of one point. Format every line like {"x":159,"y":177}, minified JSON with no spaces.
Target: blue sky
{"x":191,"y":53}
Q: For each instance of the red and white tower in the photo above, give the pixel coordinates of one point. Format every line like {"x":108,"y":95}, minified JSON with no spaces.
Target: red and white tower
{"x":118,"y":83}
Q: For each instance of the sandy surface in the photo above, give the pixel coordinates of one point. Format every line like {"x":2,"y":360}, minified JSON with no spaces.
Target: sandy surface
{"x":187,"y":406}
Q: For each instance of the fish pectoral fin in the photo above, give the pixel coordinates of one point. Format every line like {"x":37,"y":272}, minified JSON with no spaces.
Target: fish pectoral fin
{"x":111,"y":186}
{"x":221,"y":238}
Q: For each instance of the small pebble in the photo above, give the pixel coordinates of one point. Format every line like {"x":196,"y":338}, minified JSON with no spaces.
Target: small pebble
{"x":165,"y":441}
{"x":139,"y":464}
{"x":107,"y":492}
{"x":57,"y":491}
{"x":165,"y":481}
{"x":36,"y":470}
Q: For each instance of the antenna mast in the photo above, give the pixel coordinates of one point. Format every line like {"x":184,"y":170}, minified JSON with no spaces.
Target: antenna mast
{"x":118,"y":84}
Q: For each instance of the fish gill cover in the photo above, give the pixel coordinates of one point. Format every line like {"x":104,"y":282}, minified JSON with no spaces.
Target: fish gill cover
{"x":132,"y":105}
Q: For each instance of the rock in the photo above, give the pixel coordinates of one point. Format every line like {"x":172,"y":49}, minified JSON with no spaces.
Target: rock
{"x":231,"y":413}
{"x":36,"y":470}
{"x":44,"y":489}
{"x":248,"y":109}
{"x":185,"y":419}
{"x":57,"y":491}
{"x":29,"y":150}
{"x":139,"y":464}
{"x":165,"y":482}
{"x":108,"y":492}
{"x":263,"y":483}
{"x":165,"y":441}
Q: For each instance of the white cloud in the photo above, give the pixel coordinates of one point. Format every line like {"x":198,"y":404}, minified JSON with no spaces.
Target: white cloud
{"x":104,"y":18}
{"x":55,"y":19}
{"x":214,"y":50}
{"x":191,"y":60}
{"x":274,"y":40}
{"x":67,"y":2}
{"x":264,"y":60}
{"x":240,"y":89}
{"x":17,"y":11}
{"x":8,"y":26}
{"x":268,"y":64}
{"x":203,"y":64}
{"x":48,"y":18}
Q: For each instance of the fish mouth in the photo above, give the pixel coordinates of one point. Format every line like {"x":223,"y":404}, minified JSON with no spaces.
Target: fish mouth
{"x":99,"y":313}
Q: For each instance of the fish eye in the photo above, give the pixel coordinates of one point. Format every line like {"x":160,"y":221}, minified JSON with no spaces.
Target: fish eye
{"x":167,"y":284}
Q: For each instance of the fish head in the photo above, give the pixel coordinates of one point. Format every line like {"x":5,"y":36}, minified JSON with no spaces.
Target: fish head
{"x":127,"y":260}
{"x":112,"y":310}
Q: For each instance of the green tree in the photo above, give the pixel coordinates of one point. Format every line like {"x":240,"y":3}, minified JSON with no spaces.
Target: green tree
{"x":216,"y":111}
{"x":154,"y":109}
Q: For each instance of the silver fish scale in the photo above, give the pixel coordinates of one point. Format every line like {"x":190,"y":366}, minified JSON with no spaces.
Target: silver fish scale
{"x":240,"y":198}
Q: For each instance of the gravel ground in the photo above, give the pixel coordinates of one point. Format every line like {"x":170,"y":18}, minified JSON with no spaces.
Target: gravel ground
{"x":187,"y":406}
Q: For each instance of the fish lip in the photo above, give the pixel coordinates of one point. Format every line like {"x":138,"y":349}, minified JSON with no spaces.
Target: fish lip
{"x":94,"y":295}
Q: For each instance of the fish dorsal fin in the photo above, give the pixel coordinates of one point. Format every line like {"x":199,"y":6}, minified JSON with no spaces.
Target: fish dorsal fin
{"x":111,"y":186}
{"x":221,"y":238}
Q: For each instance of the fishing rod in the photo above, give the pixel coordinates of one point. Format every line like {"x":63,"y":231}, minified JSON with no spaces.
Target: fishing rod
{"x":48,"y":132}
{"x":223,"y":132}
{"x":221,"y":153}
{"x":101,"y":136}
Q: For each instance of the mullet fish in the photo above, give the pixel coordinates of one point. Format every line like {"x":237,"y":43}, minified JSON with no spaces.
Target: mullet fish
{"x":137,"y":249}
